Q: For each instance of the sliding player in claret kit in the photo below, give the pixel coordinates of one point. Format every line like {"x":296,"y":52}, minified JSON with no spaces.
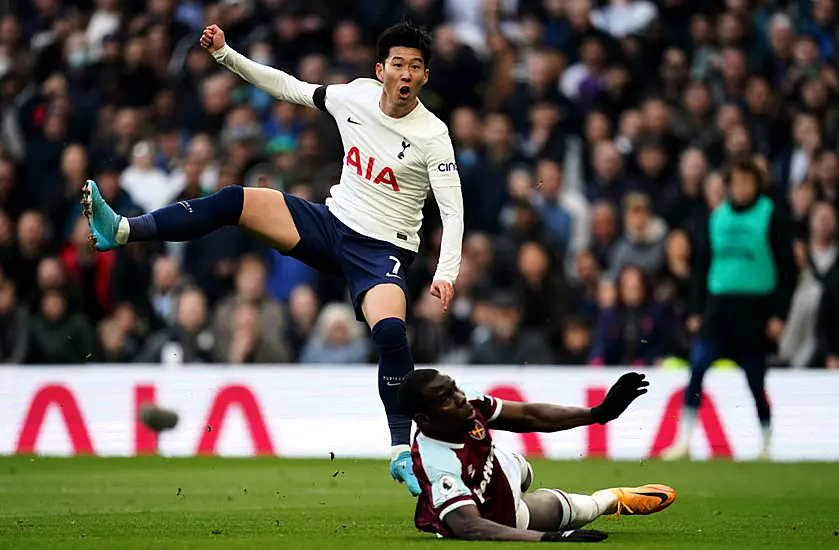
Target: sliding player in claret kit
{"x":472,"y":489}
{"x":368,"y":231}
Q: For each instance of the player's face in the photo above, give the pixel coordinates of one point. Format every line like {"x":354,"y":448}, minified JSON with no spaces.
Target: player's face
{"x":403,"y":75}
{"x":448,"y":408}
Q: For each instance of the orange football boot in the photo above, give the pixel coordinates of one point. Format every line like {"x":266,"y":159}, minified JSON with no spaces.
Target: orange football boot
{"x":642,"y":501}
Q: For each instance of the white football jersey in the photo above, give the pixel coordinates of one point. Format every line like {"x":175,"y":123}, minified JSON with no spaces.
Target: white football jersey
{"x":389,"y":164}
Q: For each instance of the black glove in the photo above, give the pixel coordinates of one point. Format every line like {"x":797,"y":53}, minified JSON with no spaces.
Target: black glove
{"x":625,"y":391}
{"x":577,"y":535}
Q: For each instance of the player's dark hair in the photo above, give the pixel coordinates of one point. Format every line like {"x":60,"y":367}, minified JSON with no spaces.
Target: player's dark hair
{"x":406,"y":35}
{"x":411,"y":398}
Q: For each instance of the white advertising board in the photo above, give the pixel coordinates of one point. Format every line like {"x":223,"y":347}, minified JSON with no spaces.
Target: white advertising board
{"x":295,"y":411}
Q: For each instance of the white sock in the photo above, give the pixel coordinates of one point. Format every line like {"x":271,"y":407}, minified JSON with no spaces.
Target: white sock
{"x":580,"y":510}
{"x":396,"y":449}
{"x":766,"y":432}
{"x":686,"y":426}
{"x":122,"y":231}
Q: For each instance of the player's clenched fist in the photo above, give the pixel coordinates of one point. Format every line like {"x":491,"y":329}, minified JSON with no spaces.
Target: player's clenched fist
{"x":212,"y":39}
{"x":443,"y":290}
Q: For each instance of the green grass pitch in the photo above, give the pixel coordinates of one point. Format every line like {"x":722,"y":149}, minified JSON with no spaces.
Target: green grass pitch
{"x":207,"y":503}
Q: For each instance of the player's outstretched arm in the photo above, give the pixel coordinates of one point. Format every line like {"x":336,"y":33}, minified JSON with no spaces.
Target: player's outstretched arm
{"x":279,"y":84}
{"x":445,"y":182}
{"x":543,"y":417}
{"x":467,"y":524}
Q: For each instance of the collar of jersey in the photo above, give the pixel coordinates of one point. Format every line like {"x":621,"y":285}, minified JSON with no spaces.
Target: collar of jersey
{"x":406,"y":117}
{"x":448,"y":444}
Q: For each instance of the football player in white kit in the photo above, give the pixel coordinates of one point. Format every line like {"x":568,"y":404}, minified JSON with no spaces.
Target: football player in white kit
{"x":394,"y":151}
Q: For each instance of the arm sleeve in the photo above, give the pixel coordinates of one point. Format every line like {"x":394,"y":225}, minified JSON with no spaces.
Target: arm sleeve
{"x":450,"y":202}
{"x":780,"y":239}
{"x":445,"y":182}
{"x":281,"y":85}
{"x":489,"y":406}
{"x":443,"y":468}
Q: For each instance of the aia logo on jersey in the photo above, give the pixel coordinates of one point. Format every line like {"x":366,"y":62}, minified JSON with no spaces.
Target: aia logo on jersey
{"x":385,"y":175}
{"x":478,"y":432}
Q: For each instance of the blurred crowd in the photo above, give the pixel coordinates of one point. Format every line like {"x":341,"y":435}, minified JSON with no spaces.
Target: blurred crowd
{"x":589,"y":137}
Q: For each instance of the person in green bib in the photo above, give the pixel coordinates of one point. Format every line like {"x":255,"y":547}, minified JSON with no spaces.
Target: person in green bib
{"x":741,"y":286}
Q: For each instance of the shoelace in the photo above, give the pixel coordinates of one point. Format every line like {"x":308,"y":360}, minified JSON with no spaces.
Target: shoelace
{"x":621,"y":507}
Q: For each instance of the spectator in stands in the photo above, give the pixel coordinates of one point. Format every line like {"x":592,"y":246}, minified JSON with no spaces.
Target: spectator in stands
{"x":14,"y":326}
{"x":642,"y":242}
{"x":799,"y":343}
{"x":148,"y":185}
{"x":58,"y":335}
{"x":188,"y":340}
{"x":557,"y":219}
{"x":508,"y":343}
{"x":247,"y":342}
{"x":430,"y":331}
{"x":337,"y":338}
{"x":89,"y":271}
{"x":108,"y":180}
{"x":575,"y":347}
{"x":584,"y":281}
{"x":682,"y":203}
{"x":604,"y":231}
{"x":544,"y":296}
{"x":793,"y":164}
{"x":695,"y":125}
{"x":259,"y":328}
{"x":302,"y":314}
{"x":608,"y":183}
{"x":653,"y":177}
{"x":623,"y":18}
{"x":637,"y":329}
{"x":7,"y":239}
{"x":558,"y":111}
{"x":11,"y":194}
{"x":826,"y":177}
{"x":828,"y":325}
{"x":565,"y":212}
{"x":32,"y":245}
{"x":114,"y":346}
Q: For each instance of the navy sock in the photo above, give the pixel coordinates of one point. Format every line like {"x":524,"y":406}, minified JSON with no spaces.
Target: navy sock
{"x":395,"y":361}
{"x":187,"y":220}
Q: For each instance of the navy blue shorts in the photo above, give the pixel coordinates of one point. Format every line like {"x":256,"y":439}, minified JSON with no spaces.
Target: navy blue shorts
{"x":326,"y":244}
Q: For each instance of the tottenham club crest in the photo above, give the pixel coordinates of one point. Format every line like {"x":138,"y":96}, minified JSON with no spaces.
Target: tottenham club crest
{"x":478,"y":432}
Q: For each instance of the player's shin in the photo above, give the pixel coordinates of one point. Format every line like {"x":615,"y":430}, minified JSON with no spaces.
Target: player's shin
{"x":577,"y":511}
{"x":186,"y":220}
{"x":395,"y":361}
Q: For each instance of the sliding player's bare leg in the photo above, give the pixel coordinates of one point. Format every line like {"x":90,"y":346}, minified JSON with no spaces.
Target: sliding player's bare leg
{"x":384,"y":308}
